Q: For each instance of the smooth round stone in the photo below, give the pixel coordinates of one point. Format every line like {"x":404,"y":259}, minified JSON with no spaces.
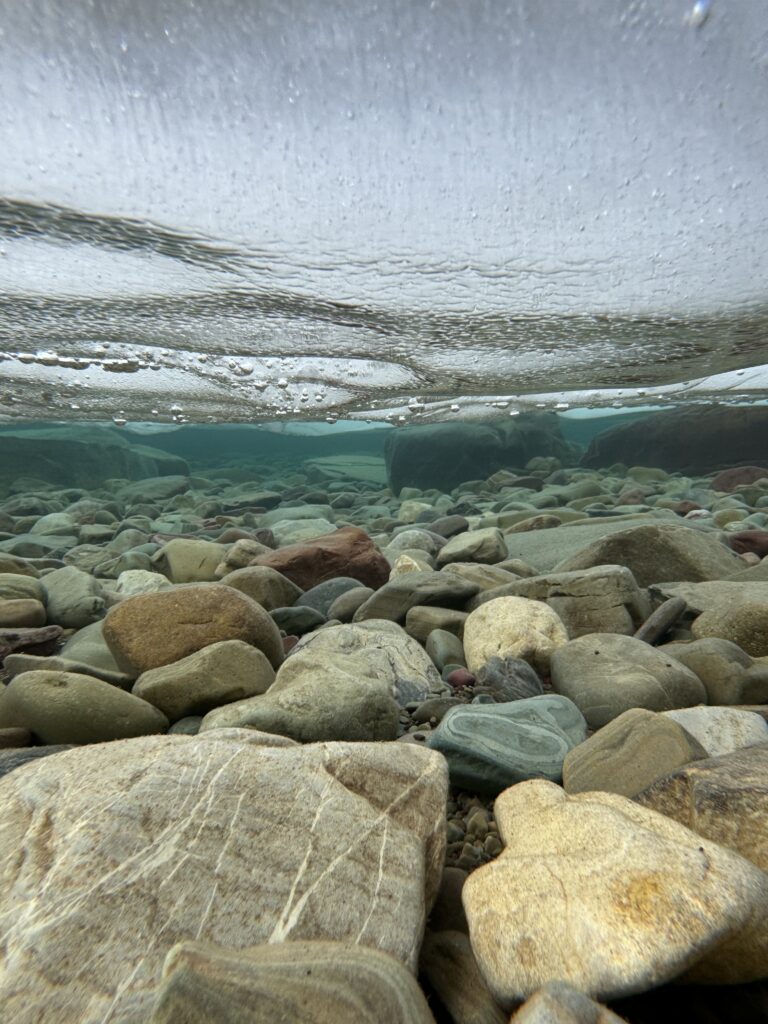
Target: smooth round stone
{"x":513,"y":627}
{"x":435,"y":708}
{"x":298,"y":620}
{"x":265,"y":585}
{"x":189,"y":561}
{"x":189,"y":726}
{"x":745,"y":624}
{"x":486,"y":546}
{"x":346,"y":604}
{"x":140,"y":581}
{"x":444,"y":648}
{"x":492,"y":746}
{"x":322,"y":596}
{"x":73,"y":598}
{"x":16,"y":587}
{"x":22,"y":612}
{"x":64,"y":707}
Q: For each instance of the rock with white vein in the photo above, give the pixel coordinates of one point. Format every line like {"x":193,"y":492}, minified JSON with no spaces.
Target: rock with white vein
{"x":110,"y":856}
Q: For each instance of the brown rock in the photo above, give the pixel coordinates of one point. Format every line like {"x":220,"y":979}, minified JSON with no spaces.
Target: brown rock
{"x":739,"y":476}
{"x":449,"y":965}
{"x":755,"y":541}
{"x":13,"y":738}
{"x":346,"y":552}
{"x":150,"y":630}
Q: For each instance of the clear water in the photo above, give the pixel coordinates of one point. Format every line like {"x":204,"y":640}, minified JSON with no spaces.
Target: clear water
{"x":404,"y":210}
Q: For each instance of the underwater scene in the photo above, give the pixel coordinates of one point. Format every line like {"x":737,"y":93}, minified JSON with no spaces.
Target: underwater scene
{"x":383,"y":512}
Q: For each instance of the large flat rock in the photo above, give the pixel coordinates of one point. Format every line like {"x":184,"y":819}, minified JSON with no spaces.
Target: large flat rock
{"x":112,"y":855}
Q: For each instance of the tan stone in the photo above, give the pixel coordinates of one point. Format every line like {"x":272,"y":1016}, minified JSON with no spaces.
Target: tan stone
{"x":629,"y":754}
{"x":724,"y":799}
{"x":133,"y":847}
{"x":341,"y":982}
{"x":189,"y":561}
{"x":65,"y":707}
{"x":560,"y":1003}
{"x":22,"y":612}
{"x":448,"y":963}
{"x":218,"y":674}
{"x":150,"y":630}
{"x":513,"y":627}
{"x":609,"y":896}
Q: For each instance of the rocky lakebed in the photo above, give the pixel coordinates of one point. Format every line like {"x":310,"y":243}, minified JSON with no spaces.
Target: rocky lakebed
{"x":297,"y":742}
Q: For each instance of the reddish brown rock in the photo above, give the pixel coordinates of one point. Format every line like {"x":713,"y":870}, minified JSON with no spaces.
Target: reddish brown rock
{"x":459,"y":678}
{"x":739,"y":476}
{"x":150,"y":630}
{"x":682,"y":508}
{"x":346,"y":552}
{"x":754,"y":541}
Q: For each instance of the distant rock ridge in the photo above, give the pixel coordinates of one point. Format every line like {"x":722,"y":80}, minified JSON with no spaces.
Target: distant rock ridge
{"x":447,"y":454}
{"x":694,"y":439}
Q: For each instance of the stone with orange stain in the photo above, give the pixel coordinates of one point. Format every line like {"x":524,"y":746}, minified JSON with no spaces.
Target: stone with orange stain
{"x":612,"y":901}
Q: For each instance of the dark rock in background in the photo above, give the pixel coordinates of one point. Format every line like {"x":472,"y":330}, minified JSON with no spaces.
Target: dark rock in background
{"x":444,"y":455}
{"x":80,"y":457}
{"x":694,"y":439}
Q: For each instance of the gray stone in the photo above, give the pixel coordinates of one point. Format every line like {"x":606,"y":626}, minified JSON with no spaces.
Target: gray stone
{"x":393,"y":600}
{"x":658,"y":553}
{"x":15,"y":664}
{"x":13,"y":586}
{"x":153,"y":489}
{"x":492,"y":746}
{"x":64,"y":707}
{"x":265,"y":585}
{"x":604,"y":599}
{"x":545,"y":550}
{"x":413,"y":540}
{"x":220,"y":673}
{"x":345,"y":605}
{"x":296,"y":531}
{"x":88,"y":647}
{"x":506,"y":679}
{"x":12,"y":759}
{"x":661,"y":620}
{"x":297,"y":620}
{"x":724,"y":799}
{"x":184,"y":560}
{"x":73,"y":598}
{"x":421,"y":620}
{"x":133,"y":847}
{"x":444,"y":648}
{"x":346,"y":683}
{"x":729,"y":675}
{"x":186,"y":726}
{"x":605,"y":674}
{"x":712,"y":595}
{"x":282,"y":515}
{"x":722,"y":730}
{"x":294,"y":983}
{"x":629,"y":754}
{"x":486,"y":546}
{"x":322,"y":596}
{"x":485,"y":576}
